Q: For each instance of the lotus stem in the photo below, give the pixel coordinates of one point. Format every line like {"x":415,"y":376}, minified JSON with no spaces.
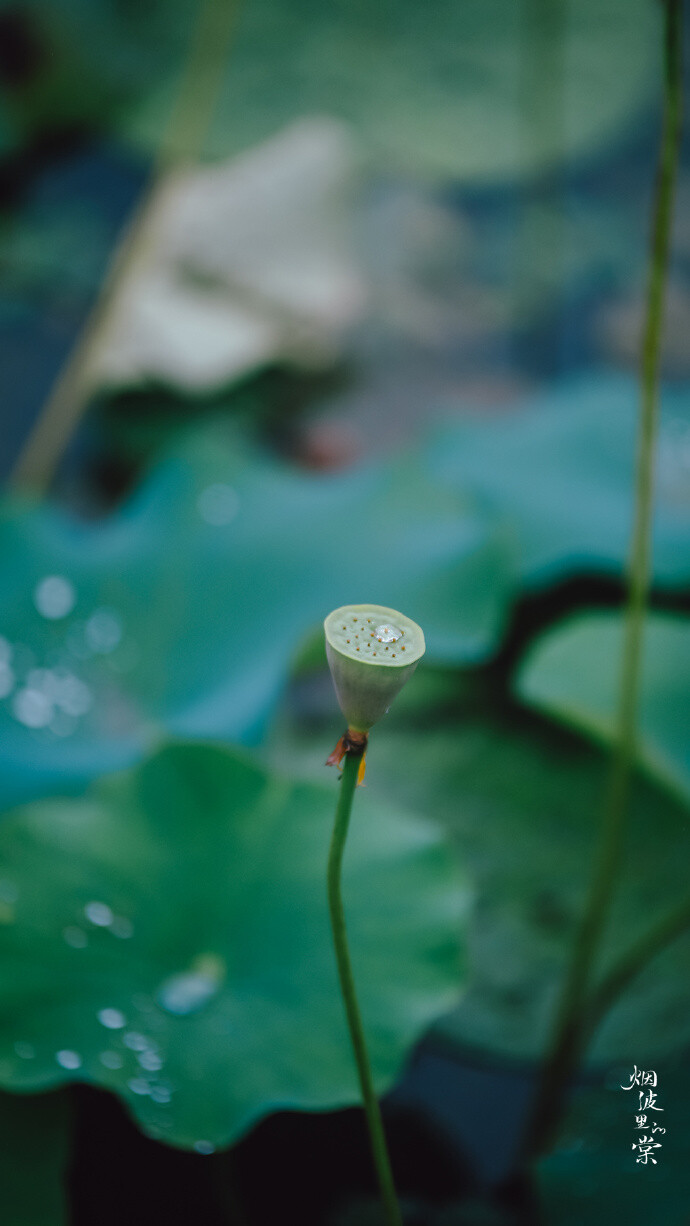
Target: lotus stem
{"x":379,"y":1149}
{"x":566,"y":1044}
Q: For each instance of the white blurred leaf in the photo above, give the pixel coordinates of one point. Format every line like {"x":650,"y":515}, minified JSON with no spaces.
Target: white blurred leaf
{"x":248,"y":262}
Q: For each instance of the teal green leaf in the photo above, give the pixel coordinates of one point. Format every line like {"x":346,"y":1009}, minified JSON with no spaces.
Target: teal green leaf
{"x":474,"y":90}
{"x":521,"y":800}
{"x":593,"y":1174}
{"x":34,"y":1151}
{"x":562,"y":468}
{"x":167,"y":937}
{"x":573,"y":673}
{"x":201,"y":589}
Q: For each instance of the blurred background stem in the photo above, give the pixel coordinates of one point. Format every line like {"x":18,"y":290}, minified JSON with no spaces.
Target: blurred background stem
{"x":631,"y":963}
{"x":566,"y":1044}
{"x":192,"y":111}
{"x":379,"y":1150}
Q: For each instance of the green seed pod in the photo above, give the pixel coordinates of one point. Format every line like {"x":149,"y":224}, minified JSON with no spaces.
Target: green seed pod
{"x":371,"y":653}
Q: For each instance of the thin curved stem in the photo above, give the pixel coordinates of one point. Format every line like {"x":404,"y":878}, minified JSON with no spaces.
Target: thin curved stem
{"x":628,"y":966}
{"x":631,"y":963}
{"x":565,"y":1046}
{"x":379,"y":1150}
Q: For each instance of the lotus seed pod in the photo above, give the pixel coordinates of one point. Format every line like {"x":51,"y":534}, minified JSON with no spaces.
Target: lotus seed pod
{"x":371,"y":653}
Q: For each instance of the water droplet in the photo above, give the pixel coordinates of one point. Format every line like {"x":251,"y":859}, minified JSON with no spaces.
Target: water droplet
{"x":139,"y":1086}
{"x":103,"y":631}
{"x":68,"y":1059}
{"x":9,"y":892}
{"x":5,"y":650}
{"x":32,"y":708}
{"x":99,"y":913}
{"x":25,"y":1051}
{"x":7,"y":679}
{"x":76,"y":937}
{"x":55,"y":597}
{"x":189,"y":991}
{"x":112,"y":1019}
{"x":388,"y":633}
{"x":135,"y":1041}
{"x":161,"y":1094}
{"x":218,"y":504}
{"x":204,"y":1147}
{"x":122,"y":927}
{"x":111,"y":1059}
{"x":150,"y":1061}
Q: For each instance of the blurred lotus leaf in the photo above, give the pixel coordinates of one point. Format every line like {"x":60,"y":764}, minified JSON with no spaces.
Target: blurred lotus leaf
{"x":593,"y":1171}
{"x":241,"y":264}
{"x":34,"y":1151}
{"x":563,"y":470}
{"x":474,"y":90}
{"x":182,"y":610}
{"x":573,"y":673}
{"x":169,"y":940}
{"x":521,"y":800}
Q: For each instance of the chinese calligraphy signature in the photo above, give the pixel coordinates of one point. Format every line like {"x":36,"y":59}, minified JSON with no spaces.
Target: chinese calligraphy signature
{"x":645,"y":1079}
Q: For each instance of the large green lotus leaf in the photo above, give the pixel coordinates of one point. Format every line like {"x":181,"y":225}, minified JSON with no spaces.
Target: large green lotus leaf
{"x":167,"y":937}
{"x":593,"y":1173}
{"x":563,"y":469}
{"x":183,"y":610}
{"x":478,"y":90}
{"x":34,"y":1150}
{"x":573,"y":673}
{"x":521,"y":800}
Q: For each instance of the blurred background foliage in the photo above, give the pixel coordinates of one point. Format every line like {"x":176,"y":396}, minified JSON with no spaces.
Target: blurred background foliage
{"x":489,"y":98}
{"x":375,"y":338}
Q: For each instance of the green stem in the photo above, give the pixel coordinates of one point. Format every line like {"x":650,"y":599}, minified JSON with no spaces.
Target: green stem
{"x":565,"y":1048}
{"x":628,"y":966}
{"x":199,"y":84}
{"x":631,"y":963}
{"x":347,"y":986}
